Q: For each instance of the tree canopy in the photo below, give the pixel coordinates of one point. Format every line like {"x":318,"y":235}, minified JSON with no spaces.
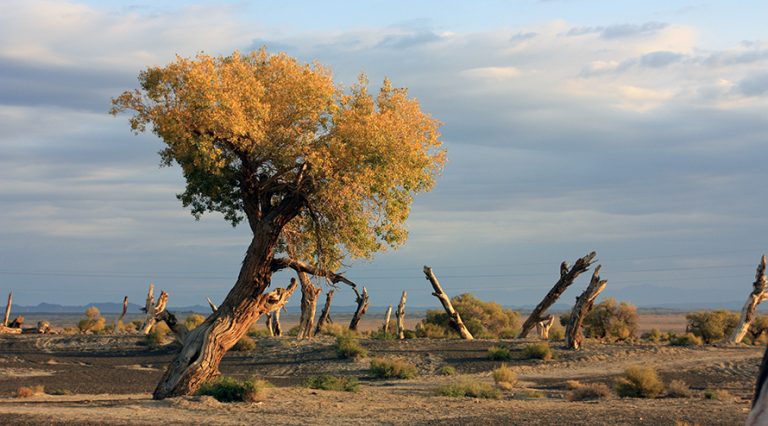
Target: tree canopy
{"x":266,"y":138}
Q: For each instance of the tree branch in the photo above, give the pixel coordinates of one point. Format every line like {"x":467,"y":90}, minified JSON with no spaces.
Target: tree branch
{"x":299,"y":266}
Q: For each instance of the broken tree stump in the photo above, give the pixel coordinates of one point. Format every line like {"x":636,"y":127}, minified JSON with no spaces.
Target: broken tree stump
{"x":400,"y":315}
{"x":386,"y":320}
{"x":149,"y":308}
{"x":277,"y":330}
{"x":213,"y":306}
{"x":8,"y":309}
{"x":454,"y":317}
{"x":362,"y":308}
{"x":309,"y":295}
{"x":573,"y":334}
{"x":269,"y":325}
{"x":542,"y":327}
{"x":757,"y":295}
{"x":325,"y":314}
{"x":567,"y":277}
{"x":119,"y":320}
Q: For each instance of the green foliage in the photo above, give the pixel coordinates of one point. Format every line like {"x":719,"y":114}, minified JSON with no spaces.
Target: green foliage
{"x":193,"y":321}
{"x":589,"y":392}
{"x":348,"y":347}
{"x":712,"y":325}
{"x":333,"y":383}
{"x":504,"y":377}
{"x":639,"y":382}
{"x":537,"y":351}
{"x":611,"y":320}
{"x":485,"y":320}
{"x":446,"y":370}
{"x":409,"y":334}
{"x":391,"y":368}
{"x":688,"y":339}
{"x":245,"y":344}
{"x":466,"y":387}
{"x":229,"y":389}
{"x":381,"y":335}
{"x":499,"y":353}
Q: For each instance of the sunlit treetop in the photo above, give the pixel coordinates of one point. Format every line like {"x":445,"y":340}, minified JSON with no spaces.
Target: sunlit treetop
{"x":266,"y":138}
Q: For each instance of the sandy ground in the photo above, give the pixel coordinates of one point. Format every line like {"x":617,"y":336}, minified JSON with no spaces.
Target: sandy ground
{"x":110,"y":379}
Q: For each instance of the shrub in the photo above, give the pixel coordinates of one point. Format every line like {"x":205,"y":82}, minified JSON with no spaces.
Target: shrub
{"x":718,"y":394}
{"x":390,"y":368}
{"x":293,"y":331}
{"x":712,"y":325}
{"x":446,"y":370}
{"x":757,"y":330}
{"x":409,"y":334}
{"x":333,"y":383}
{"x":229,"y":389}
{"x":59,"y":392}
{"x":193,"y":321}
{"x":28,"y":391}
{"x":611,"y":320}
{"x":639,"y":382}
{"x":244,"y":344}
{"x":337,"y":330}
{"x":678,"y":389}
{"x":504,"y":377}
{"x":348,"y":347}
{"x":498,"y":353}
{"x":653,"y":336}
{"x":688,"y":339}
{"x":482,"y":319}
{"x":589,"y":392}
{"x":556,"y":332}
{"x":256,"y":331}
{"x":432,"y":331}
{"x":381,"y":335}
{"x":537,"y":351}
{"x":93,"y":321}
{"x":157,"y":335}
{"x":469,"y":388}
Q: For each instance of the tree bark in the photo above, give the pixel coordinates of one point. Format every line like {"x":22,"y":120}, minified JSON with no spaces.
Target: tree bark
{"x":309,"y":295}
{"x":362,"y":308}
{"x":400,"y":315}
{"x":542,"y":327}
{"x":573,"y":334}
{"x":8,"y":309}
{"x":385,"y":328}
{"x":757,"y":295}
{"x":325,"y":314}
{"x":270,"y":326}
{"x":149,"y":308}
{"x":567,"y":277}
{"x":455,"y":318}
{"x":277,"y":330}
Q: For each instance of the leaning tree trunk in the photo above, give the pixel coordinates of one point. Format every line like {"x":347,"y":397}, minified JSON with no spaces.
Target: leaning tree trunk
{"x":309,"y":295}
{"x":362,"y":308}
{"x":453,"y":316}
{"x":325,"y":314}
{"x":8,"y":309}
{"x":387,"y":316}
{"x":400,"y":315}
{"x":748,"y":311}
{"x":567,"y":276}
{"x":573,"y":334}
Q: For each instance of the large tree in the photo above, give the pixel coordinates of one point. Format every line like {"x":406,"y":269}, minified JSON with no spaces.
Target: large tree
{"x":321,"y":173}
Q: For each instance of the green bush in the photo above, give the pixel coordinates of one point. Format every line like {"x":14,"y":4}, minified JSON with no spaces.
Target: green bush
{"x":229,"y":389}
{"x":688,"y":339}
{"x":348,"y":347}
{"x":639,"y":382}
{"x":193,"y":321}
{"x":712,"y":325}
{"x":504,"y":377}
{"x":447,"y":370}
{"x":498,"y":353}
{"x":390,"y":368}
{"x":611,"y":320}
{"x":469,"y":388}
{"x":487,"y":320}
{"x":333,"y":383}
{"x":381,"y":335}
{"x":244,"y":344}
{"x":537,"y":351}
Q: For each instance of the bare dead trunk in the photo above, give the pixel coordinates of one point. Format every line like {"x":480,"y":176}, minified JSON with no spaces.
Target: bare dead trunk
{"x":269,"y":325}
{"x":325,"y":314}
{"x":573,"y":334}
{"x":757,"y":295}
{"x":149,"y":307}
{"x":277,"y":330}
{"x":309,"y":295}
{"x":567,"y":277}
{"x":119,"y":321}
{"x":543,"y":327}
{"x":213,"y":306}
{"x":8,"y":309}
{"x":385,"y":328}
{"x":362,"y":308}
{"x":455,"y":318}
{"x":400,"y":315}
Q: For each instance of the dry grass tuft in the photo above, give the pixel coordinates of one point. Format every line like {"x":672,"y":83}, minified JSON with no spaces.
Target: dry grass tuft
{"x":589,"y":392}
{"x":467,"y":387}
{"x":391,"y":368}
{"x":504,"y":377}
{"x":29,"y":391}
{"x":678,"y":389}
{"x":639,"y":382}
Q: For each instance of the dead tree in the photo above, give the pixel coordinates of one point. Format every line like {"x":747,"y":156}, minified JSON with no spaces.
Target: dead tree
{"x":325,"y":314}
{"x":385,"y":328}
{"x":213,"y":306}
{"x":453,"y":316}
{"x":8,"y":309}
{"x":757,"y":295}
{"x":362,"y":308}
{"x":119,"y":321}
{"x":567,"y":277}
{"x":400,"y":315}
{"x":542,"y":327}
{"x":270,"y":326}
{"x":309,"y":295}
{"x":573,"y":334}
{"x":4,"y":327}
{"x":43,"y":327}
{"x":149,"y":308}
{"x":277,"y":329}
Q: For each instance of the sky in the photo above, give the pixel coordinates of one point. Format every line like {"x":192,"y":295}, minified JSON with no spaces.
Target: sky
{"x":635,"y":129}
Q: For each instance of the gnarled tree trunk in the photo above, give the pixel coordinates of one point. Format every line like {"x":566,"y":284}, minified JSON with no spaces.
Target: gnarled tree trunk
{"x":325,"y":314}
{"x":309,"y":295}
{"x":573,"y":334}
{"x":362,"y":308}
{"x":400,"y":315}
{"x":454,"y":317}
{"x":567,"y":276}
{"x":755,"y":298}
{"x":542,"y":327}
